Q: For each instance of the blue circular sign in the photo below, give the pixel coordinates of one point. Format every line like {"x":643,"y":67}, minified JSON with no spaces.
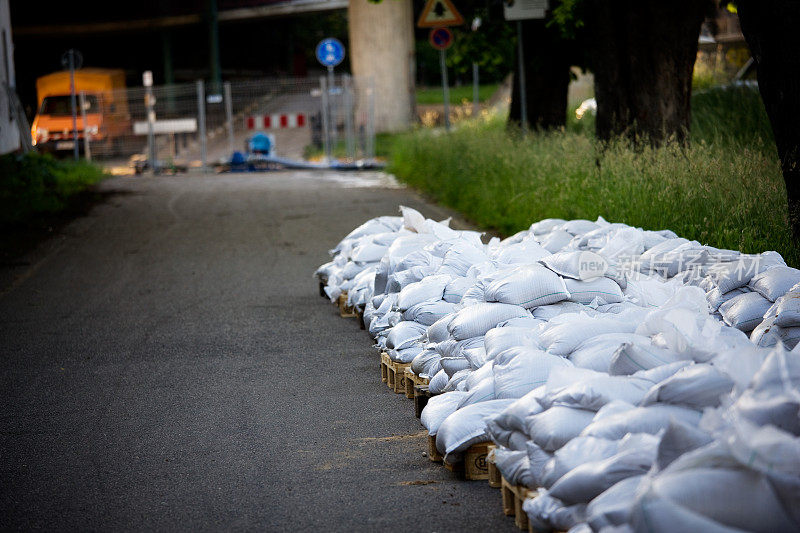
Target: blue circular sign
{"x":330,"y":52}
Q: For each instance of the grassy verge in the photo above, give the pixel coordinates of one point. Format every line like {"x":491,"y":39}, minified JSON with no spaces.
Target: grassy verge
{"x":728,"y":195}
{"x":384,"y":143}
{"x":36,"y":185}
{"x":433,"y":95}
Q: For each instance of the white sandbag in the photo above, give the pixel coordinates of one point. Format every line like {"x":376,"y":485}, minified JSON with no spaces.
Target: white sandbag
{"x":765,"y":335}
{"x":426,"y":364}
{"x":596,"y":353}
{"x":454,"y":348}
{"x":787,"y":310}
{"x":650,"y":291}
{"x":528,"y":286}
{"x":437,"y":332}
{"x":455,"y":290}
{"x":553,"y":428}
{"x":513,"y":466}
{"x":401,"y":279}
{"x":745,"y":312}
{"x":483,"y":392}
{"x":716,"y":298}
{"x":526,"y":322}
{"x":633,"y":357}
{"x":775,"y":282}
{"x":576,"y":264}
{"x":546,"y":225}
{"x":579,"y":226}
{"x":428,"y":289}
{"x":501,"y":339}
{"x":578,"y":451}
{"x":626,"y":242}
{"x":650,"y":419}
{"x":734,"y":498}
{"x":519,"y":370}
{"x":451,"y":365}
{"x":613,"y":507}
{"x":789,"y":336}
{"x":476,"y":357}
{"x":592,"y":393}
{"x":561,"y":338}
{"x":457,"y":381}
{"x":602,"y":290}
{"x":549,"y":312}
{"x":525,"y":252}
{"x":697,"y":386}
{"x":635,"y":455}
{"x":438,"y":408}
{"x":546,"y":513}
{"x":404,"y":335}
{"x":466,"y":427}
{"x":418,"y":258}
{"x":438,"y":382}
{"x":677,"y":440}
{"x":476,"y":320}
{"x":428,"y":313}
{"x":556,"y":240}
{"x":461,"y":256}
{"x":405,"y":355}
{"x":369,"y":252}
{"x":501,"y":426}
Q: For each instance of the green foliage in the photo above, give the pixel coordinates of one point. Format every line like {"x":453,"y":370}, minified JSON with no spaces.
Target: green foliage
{"x":731,"y":115}
{"x":36,"y":184}
{"x":433,"y":95}
{"x":726,"y":195}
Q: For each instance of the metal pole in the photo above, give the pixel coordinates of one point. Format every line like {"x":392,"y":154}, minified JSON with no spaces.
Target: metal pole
{"x":151,"y":119}
{"x":326,"y":140}
{"x":87,"y":152}
{"x":476,"y":109}
{"x":523,"y":97}
{"x":332,"y":107}
{"x":350,"y":138}
{"x":229,"y":115}
{"x":201,"y":118}
{"x":74,"y":103}
{"x":445,"y":89}
{"x":370,"y":148}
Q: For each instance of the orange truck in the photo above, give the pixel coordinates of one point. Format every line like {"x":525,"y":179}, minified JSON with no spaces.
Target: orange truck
{"x":107,"y":116}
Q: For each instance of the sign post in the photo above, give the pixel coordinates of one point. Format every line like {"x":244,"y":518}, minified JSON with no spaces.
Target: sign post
{"x":438,"y":14}
{"x":147,"y":81}
{"x":520,"y":10}
{"x":476,"y":109}
{"x":442,"y":39}
{"x":329,"y":52}
{"x":72,"y":60}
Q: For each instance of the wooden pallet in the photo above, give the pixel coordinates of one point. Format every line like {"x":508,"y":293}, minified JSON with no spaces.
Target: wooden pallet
{"x":421,"y":397}
{"x":495,"y":478}
{"x":433,"y":453}
{"x":393,"y":373}
{"x":473,"y":465}
{"x":360,"y":318}
{"x":513,"y":496}
{"x":345,"y":311}
{"x":412,"y":380}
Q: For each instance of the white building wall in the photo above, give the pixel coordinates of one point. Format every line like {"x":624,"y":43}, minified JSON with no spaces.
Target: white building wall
{"x":9,"y":134}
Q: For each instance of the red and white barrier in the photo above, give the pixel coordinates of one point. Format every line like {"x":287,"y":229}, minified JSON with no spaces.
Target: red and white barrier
{"x":276,"y":121}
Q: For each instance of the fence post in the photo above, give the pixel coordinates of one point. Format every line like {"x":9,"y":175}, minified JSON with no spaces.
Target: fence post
{"x":87,"y":152}
{"x":370,"y":141}
{"x":326,"y":139}
{"x":229,"y":115}
{"x":201,"y":118}
{"x":349,"y":109}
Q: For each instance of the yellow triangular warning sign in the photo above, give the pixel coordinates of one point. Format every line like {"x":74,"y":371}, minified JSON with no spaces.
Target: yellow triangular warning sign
{"x":438,"y":13}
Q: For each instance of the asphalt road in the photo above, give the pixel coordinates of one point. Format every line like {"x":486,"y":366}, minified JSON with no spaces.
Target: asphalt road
{"x":168,"y":364}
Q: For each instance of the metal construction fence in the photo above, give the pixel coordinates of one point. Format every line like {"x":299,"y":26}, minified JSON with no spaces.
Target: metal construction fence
{"x":196,"y":125}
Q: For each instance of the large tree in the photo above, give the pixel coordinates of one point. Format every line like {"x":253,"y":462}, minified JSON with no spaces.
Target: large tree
{"x":642,"y":53}
{"x":770,"y":27}
{"x":547,"y":55}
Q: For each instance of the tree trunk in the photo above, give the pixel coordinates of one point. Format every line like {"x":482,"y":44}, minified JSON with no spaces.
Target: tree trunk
{"x":382,"y":48}
{"x":547,"y":63}
{"x":642,"y":54}
{"x":770,"y":27}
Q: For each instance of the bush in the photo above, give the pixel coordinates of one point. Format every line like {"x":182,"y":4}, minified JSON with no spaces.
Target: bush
{"x":36,"y":184}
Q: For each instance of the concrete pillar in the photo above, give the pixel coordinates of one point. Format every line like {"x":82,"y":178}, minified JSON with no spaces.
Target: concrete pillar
{"x":382,"y":48}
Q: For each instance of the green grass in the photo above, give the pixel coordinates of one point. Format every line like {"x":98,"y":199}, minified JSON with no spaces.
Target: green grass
{"x":725,"y":194}
{"x":433,"y":95}
{"x":384,"y":143}
{"x":37,"y":184}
